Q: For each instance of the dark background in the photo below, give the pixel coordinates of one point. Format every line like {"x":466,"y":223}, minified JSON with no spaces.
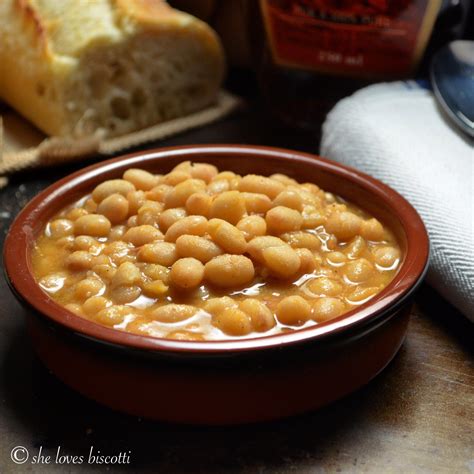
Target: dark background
{"x":417,"y":416}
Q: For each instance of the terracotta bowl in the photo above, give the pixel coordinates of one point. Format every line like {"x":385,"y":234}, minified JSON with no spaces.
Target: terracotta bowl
{"x":222,"y":382}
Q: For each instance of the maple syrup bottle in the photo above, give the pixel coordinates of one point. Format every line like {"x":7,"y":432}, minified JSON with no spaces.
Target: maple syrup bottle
{"x":312,"y":53}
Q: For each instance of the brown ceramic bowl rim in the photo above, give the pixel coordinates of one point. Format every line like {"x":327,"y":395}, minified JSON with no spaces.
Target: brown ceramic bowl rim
{"x":20,"y":238}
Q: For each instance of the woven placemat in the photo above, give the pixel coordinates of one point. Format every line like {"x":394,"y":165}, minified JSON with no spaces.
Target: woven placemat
{"x":23,"y":146}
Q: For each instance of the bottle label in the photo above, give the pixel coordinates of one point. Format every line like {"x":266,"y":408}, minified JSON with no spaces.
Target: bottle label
{"x":382,"y":38}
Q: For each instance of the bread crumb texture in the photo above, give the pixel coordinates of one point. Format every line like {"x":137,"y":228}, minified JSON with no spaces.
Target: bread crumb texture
{"x":105,"y":67}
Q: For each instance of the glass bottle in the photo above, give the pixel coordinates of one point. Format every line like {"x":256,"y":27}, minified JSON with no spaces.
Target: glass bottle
{"x":311,"y":53}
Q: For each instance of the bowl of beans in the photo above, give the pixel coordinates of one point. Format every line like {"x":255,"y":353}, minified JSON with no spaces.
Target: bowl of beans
{"x":216,"y":284}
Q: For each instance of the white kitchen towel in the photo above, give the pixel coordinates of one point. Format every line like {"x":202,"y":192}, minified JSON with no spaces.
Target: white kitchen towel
{"x":397,"y":133}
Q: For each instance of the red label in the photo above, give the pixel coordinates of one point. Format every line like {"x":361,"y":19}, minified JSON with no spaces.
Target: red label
{"x":359,"y":38}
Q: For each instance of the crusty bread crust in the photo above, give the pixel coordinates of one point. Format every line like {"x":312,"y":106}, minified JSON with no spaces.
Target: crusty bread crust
{"x":108,"y":67}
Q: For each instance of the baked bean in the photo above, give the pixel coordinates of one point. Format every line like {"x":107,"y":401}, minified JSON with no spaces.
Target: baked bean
{"x":344,"y":225}
{"x":227,"y":236}
{"x":87,"y":288}
{"x":141,"y":179}
{"x":66,"y":243}
{"x":234,"y":183}
{"x":144,"y":326}
{"x":84,"y":242}
{"x":282,"y":219}
{"x":203,"y":171}
{"x":112,"y":186}
{"x":92,"y":224}
{"x":193,"y":225}
{"x":262,"y":318}
{"x":199,"y":204}
{"x":218,"y":305}
{"x":187,"y":273}
{"x":104,"y":271}
{"x":227,"y":175}
{"x":324,"y":287}
{"x":79,"y":260}
{"x":149,"y":213}
{"x":356,"y":247}
{"x":312,"y":219}
{"x":159,"y":193}
{"x":372,"y":229}
{"x":156,"y":272}
{"x":308,"y":199}
{"x":155,"y":288}
{"x":114,"y":207}
{"x":293,"y":311}
{"x":180,"y":194}
{"x":331,"y":243}
{"x":101,"y":259}
{"x":386,"y":257}
{"x":184,"y":166}
{"x":282,"y":178}
{"x":142,"y":234}
{"x":311,"y":187}
{"x":336,"y":258}
{"x":162,"y":253}
{"x":362,"y":294}
{"x":325,"y":309}
{"x":126,"y":274}
{"x":117,"y":232}
{"x":90,"y":206}
{"x":197,"y":247}
{"x":252,"y":226}
{"x":233,"y":321}
{"x":227,"y":271}
{"x":94,"y":304}
{"x":75,"y":213}
{"x":135,"y":199}
{"x":169,"y":217}
{"x":358,"y":270}
{"x":132,"y":221}
{"x":301,"y":240}
{"x":228,"y":206}
{"x":283,"y":262}
{"x":308,"y":262}
{"x":61,"y":228}
{"x":118,"y":259}
{"x":218,"y":186}
{"x":150,"y":205}
{"x":113,"y":315}
{"x":173,"y":313}
{"x":96,"y":249}
{"x":256,"y":246}
{"x":290,"y":199}
{"x":117,"y":251}
{"x":260,"y":184}
{"x":256,"y":203}
{"x":175,"y":177}
{"x":123,"y":294}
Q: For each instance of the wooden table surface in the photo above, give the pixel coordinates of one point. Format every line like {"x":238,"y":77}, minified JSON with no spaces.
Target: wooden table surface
{"x":417,"y":416}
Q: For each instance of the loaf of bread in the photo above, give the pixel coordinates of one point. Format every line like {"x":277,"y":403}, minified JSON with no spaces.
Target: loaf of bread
{"x":81,"y":67}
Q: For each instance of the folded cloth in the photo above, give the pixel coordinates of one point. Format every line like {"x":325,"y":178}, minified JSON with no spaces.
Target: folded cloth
{"x":396,"y":133}
{"x":23,"y":146}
